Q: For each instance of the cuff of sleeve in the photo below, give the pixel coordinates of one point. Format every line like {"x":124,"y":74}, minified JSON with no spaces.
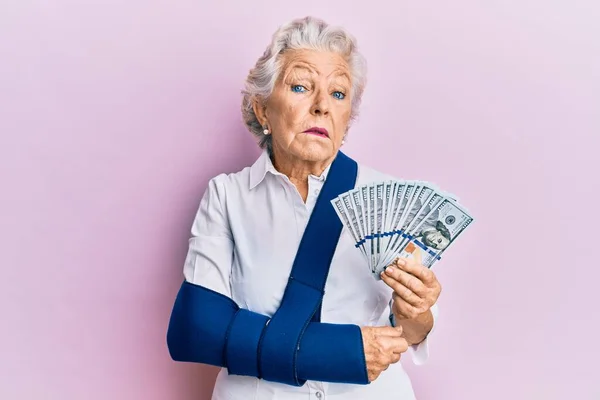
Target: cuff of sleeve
{"x":420,"y":351}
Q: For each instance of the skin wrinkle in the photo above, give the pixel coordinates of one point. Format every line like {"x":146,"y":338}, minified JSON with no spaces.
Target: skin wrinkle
{"x":287,"y":114}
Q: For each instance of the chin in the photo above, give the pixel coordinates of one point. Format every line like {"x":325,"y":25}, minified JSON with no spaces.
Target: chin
{"x":316,"y":152}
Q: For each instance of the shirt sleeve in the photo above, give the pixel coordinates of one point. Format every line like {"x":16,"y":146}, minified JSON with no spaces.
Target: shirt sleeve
{"x":420,"y":351}
{"x":210,"y":251}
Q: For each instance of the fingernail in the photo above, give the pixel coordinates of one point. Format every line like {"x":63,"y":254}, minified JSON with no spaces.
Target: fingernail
{"x":389,"y":270}
{"x":401,"y":261}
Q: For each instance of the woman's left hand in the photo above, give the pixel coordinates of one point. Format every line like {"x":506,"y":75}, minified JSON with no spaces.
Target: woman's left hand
{"x":415,"y":286}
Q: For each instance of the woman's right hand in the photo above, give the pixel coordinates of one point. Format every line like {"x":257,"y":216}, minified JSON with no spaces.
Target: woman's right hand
{"x":383,"y":346}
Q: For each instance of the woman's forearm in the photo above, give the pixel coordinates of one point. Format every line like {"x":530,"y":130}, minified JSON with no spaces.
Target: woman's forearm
{"x":415,"y":330}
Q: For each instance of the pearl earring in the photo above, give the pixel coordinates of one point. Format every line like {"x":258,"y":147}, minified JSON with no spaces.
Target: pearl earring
{"x":266,"y":131}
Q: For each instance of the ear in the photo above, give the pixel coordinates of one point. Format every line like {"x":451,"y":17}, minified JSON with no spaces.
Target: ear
{"x":260,"y":110}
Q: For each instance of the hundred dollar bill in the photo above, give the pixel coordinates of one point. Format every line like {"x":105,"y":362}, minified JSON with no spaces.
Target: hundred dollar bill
{"x":431,"y":201}
{"x":391,"y":192}
{"x":340,"y":210}
{"x":355,"y":197}
{"x":436,"y":232}
{"x":384,"y":211}
{"x":379,"y":214}
{"x":353,"y":218}
{"x":372,"y":223}
{"x":360,"y":199}
{"x":388,"y":197}
{"x":369,"y":224}
{"x":401,"y":200}
{"x":419,"y":205}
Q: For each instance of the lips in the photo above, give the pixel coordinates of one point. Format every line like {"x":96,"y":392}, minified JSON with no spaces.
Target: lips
{"x":317,"y":131}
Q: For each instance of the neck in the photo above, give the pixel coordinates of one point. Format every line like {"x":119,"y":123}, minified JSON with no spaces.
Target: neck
{"x":298,"y":170}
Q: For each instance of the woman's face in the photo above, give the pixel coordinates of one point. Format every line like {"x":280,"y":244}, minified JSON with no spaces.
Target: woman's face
{"x":309,"y":110}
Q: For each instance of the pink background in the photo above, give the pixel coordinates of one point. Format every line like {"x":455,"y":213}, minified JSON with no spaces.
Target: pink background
{"x":114,"y":115}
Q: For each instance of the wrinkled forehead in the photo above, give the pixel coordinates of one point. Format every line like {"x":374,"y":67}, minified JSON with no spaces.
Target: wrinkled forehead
{"x":313,"y":63}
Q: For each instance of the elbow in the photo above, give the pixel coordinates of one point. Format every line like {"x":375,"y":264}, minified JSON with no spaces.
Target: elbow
{"x":191,"y":340}
{"x":198,"y":325}
{"x":183,"y":333}
{"x":181,"y":328}
{"x":176,"y":340}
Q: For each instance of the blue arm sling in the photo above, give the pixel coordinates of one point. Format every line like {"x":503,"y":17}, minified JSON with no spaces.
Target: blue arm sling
{"x":293,"y":346}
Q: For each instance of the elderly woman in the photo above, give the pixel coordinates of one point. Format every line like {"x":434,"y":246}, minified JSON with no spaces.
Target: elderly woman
{"x":275,"y":292}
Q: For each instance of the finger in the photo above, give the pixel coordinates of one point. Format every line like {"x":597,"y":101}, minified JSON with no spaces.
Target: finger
{"x":416,"y":269}
{"x":398,"y":345}
{"x":406,"y":310}
{"x":403,"y":292}
{"x":392,"y":358}
{"x":373,"y":376}
{"x":389,"y":331}
{"x":410,"y":281}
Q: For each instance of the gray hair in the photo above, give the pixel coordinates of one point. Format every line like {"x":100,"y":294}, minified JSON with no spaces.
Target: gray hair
{"x":305,"y":33}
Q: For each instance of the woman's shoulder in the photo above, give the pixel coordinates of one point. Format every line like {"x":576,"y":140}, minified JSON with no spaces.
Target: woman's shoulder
{"x":241,"y":181}
{"x":230,"y":181}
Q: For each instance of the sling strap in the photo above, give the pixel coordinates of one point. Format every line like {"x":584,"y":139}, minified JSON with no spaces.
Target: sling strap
{"x":301,"y":302}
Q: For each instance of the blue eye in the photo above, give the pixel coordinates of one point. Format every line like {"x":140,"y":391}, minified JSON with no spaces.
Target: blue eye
{"x":298,"y":89}
{"x":339,"y":95}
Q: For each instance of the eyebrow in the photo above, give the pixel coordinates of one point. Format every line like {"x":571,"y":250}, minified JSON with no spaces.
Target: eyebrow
{"x":300,"y":65}
{"x":308,"y":67}
{"x":341,"y":73}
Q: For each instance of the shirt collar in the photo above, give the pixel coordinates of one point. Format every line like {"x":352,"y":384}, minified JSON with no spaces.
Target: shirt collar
{"x":263,"y":164}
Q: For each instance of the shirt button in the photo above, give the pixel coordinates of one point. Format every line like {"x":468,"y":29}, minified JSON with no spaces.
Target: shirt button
{"x":319,"y":395}
{"x":316,"y":191}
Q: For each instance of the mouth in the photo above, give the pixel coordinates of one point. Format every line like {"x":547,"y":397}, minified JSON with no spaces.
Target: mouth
{"x":317,"y":131}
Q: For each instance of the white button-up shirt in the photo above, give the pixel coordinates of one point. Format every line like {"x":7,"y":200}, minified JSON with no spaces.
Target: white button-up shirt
{"x":244,"y":240}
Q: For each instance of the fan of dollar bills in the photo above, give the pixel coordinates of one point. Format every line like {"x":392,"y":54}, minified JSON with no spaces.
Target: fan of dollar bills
{"x":401,"y":219}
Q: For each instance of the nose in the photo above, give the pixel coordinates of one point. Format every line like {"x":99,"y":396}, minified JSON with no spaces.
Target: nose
{"x":320,"y":106}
